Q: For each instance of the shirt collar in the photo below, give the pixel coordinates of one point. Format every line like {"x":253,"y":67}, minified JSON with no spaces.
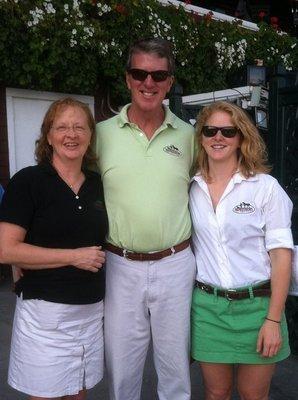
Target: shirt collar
{"x":237,"y":178}
{"x":170,"y":118}
{"x":49,"y":169}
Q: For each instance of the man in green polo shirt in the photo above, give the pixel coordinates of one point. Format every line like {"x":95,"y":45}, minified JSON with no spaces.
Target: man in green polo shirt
{"x":145,"y":157}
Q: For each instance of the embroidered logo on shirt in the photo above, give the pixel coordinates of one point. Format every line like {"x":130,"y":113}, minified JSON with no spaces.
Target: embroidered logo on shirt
{"x":172,"y":150}
{"x":244,"y":208}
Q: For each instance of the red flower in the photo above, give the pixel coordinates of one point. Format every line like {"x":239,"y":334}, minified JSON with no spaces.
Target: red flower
{"x":196,"y":17}
{"x":120,"y":8}
{"x":274,"y":22}
{"x":208,"y":17}
{"x":262,"y":14}
{"x":187,"y":1}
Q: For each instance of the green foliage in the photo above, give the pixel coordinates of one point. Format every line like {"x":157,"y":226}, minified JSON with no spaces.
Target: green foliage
{"x":80,"y":46}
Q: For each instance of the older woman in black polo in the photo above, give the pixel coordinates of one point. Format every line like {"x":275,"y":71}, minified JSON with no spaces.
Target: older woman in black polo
{"x":53,"y":223}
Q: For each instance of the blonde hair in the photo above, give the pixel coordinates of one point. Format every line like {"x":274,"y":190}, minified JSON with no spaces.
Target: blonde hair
{"x":43,"y":151}
{"x":252,"y":157}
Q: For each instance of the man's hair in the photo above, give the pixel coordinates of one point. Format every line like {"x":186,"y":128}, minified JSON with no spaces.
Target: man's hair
{"x":160,"y":47}
{"x":252,"y":155}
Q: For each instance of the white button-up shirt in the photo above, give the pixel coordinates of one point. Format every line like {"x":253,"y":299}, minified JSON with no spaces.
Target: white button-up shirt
{"x":231,"y":244}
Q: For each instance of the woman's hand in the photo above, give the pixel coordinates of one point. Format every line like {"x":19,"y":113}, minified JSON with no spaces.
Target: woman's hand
{"x":269,"y":339}
{"x":89,"y":258}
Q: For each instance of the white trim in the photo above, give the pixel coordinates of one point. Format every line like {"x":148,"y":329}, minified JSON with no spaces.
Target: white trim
{"x":216,"y":15}
{"x":10,"y":134}
{"x":210,"y":97}
{"x":50,"y":96}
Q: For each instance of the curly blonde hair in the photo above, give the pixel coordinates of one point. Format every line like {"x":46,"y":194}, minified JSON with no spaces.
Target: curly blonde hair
{"x":43,"y":151}
{"x":252,"y":155}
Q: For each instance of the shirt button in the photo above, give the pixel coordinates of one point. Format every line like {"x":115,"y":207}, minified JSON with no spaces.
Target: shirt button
{"x":80,"y":207}
{"x":77,"y":197}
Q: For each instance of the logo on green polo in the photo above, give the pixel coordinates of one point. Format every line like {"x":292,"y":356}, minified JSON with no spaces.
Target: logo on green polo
{"x":172,"y":150}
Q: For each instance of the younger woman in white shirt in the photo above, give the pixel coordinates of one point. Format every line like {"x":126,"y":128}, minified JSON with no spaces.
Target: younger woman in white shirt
{"x":242,"y":243}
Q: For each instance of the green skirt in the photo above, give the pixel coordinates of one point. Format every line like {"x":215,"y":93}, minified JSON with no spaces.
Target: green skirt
{"x":224,"y":331}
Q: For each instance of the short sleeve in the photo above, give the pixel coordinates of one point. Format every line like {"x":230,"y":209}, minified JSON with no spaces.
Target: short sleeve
{"x":278,"y":211}
{"x":17,"y":205}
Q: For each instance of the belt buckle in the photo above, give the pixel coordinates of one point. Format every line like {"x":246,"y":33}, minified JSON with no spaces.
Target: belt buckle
{"x":125,"y":253}
{"x":228,"y":291}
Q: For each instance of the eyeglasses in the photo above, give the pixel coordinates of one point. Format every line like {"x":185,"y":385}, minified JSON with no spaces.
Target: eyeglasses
{"x":141,"y":74}
{"x":226,"y":131}
{"x":78,"y":129}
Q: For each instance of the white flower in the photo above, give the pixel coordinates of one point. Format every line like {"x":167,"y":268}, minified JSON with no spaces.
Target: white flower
{"x":76,"y":5}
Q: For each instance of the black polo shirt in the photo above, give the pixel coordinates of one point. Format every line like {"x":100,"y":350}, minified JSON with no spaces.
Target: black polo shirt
{"x":38,"y":200}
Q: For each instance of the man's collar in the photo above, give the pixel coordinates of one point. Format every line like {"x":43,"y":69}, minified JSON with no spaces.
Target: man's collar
{"x":123,"y":118}
{"x":170,"y":118}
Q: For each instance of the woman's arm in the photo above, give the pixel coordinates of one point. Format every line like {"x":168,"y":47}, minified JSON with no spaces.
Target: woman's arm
{"x":269,"y":340}
{"x":13,"y":250}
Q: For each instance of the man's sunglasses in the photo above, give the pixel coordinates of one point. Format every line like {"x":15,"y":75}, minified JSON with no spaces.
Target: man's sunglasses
{"x":141,"y":74}
{"x":226,"y":131}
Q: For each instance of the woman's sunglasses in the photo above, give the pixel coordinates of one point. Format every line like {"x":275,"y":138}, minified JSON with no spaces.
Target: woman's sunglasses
{"x":141,"y":74}
{"x":226,"y":131}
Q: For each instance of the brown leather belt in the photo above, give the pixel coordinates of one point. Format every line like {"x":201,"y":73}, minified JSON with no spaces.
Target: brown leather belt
{"x":236,"y":294}
{"x":158,"y":255}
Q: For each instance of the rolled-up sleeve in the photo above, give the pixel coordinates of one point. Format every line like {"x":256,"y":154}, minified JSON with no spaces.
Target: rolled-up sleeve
{"x":278,"y":212}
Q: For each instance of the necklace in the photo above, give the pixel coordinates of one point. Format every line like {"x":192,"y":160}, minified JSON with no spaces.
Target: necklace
{"x":74,"y":186}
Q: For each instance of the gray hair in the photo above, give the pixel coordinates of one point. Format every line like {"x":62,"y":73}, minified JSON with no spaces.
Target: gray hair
{"x":161,"y":47}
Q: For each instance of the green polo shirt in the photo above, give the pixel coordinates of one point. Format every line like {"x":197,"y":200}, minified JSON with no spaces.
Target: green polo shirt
{"x":146,"y":181}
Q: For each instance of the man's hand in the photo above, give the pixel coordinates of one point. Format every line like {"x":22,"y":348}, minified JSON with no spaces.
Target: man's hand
{"x":17,"y":273}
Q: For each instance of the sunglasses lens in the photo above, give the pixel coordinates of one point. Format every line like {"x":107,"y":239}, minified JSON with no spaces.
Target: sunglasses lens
{"x":228,"y":132}
{"x":141,"y":75}
{"x":159,"y":76}
{"x":138,"y":74}
{"x":209,"y":131}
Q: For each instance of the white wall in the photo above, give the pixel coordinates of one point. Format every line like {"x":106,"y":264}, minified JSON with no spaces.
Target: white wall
{"x":25,"y":112}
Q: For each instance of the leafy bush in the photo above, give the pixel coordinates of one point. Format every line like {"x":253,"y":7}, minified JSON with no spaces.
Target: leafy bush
{"x":80,"y":46}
